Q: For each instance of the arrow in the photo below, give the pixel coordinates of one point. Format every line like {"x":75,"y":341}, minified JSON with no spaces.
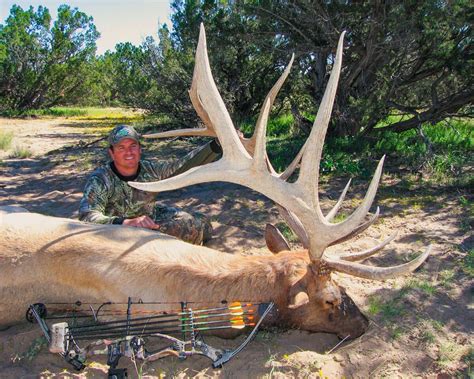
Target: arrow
{"x":234,"y":308}
{"x":88,"y":329}
{"x":237,"y":324}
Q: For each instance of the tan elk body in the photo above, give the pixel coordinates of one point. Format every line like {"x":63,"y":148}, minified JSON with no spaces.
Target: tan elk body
{"x":49,"y":259}
{"x":46,"y":259}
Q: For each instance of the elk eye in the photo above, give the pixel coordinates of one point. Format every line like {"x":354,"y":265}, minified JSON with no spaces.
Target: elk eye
{"x":329,"y":303}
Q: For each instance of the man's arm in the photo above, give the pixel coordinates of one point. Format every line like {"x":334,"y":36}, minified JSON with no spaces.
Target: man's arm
{"x":199,"y":156}
{"x":141,"y":222}
{"x":94,"y":201}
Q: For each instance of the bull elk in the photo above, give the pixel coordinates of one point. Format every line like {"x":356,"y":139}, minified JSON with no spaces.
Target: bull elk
{"x":45,"y":259}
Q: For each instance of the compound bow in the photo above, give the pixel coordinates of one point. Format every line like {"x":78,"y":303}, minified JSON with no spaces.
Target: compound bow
{"x":126,"y":337}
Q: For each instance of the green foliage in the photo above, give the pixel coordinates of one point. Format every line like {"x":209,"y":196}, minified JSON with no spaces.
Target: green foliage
{"x":64,"y":112}
{"x":450,"y":352}
{"x":243,"y":58}
{"x":423,"y":286}
{"x":451,"y":145}
{"x":446,"y":277}
{"x":388,"y":310}
{"x":53,"y":111}
{"x":21,"y":152}
{"x":282,"y":150}
{"x":43,"y":65}
{"x":86,"y":113}
{"x":421,"y":64}
{"x":375,"y":305}
{"x":5,"y":140}
{"x":468,"y":263}
{"x":156,"y":75}
{"x":279,"y":126}
{"x":340,"y":216}
{"x":445,"y":159}
{"x":287,"y":232}
{"x":453,"y":135}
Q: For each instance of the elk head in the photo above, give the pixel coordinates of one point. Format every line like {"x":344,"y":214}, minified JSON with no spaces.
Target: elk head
{"x":315,"y":302}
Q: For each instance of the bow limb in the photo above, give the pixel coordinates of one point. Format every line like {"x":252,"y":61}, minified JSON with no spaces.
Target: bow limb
{"x":228,"y":355}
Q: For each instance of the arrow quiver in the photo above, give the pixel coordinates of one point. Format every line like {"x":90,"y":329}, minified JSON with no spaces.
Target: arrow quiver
{"x":118,"y":337}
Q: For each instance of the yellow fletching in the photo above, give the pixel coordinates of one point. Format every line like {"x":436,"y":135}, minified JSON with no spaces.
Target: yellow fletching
{"x":241,"y":326}
{"x":238,"y":304}
{"x":241,"y":319}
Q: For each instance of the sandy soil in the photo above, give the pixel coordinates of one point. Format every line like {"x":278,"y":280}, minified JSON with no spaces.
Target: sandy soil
{"x":421,"y":325}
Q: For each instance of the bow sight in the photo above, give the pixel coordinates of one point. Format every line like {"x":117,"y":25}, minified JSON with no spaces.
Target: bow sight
{"x":127,"y":337}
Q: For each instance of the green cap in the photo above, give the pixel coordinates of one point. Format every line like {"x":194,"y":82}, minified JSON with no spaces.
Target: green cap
{"x":123,"y":131}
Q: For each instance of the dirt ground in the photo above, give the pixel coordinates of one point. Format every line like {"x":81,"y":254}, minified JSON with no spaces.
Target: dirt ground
{"x":420,"y":325}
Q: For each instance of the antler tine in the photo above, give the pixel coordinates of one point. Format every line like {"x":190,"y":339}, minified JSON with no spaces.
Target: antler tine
{"x":378,"y":273}
{"x":292,"y":166}
{"x":272,"y":94}
{"x":260,"y":153}
{"x":353,"y":221}
{"x":309,"y":171}
{"x":210,"y":106}
{"x":202,"y":132}
{"x":296,"y":225}
{"x":359,"y":229}
{"x":259,"y":136}
{"x":336,"y":207}
{"x":352,"y":257}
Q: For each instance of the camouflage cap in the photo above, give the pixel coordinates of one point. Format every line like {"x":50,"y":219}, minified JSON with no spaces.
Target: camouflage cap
{"x":123,"y":131}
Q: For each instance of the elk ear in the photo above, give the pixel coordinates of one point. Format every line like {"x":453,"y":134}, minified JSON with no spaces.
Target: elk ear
{"x":275,"y":240}
{"x":297,"y":296}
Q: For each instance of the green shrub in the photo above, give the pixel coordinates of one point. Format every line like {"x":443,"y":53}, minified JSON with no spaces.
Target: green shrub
{"x":468,"y":263}
{"x":64,"y":112}
{"x":444,"y":155}
{"x":5,"y":140}
{"x":21,"y":152}
{"x":81,"y":112}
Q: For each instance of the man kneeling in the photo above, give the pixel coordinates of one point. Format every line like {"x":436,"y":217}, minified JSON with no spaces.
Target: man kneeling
{"x":108,"y":199}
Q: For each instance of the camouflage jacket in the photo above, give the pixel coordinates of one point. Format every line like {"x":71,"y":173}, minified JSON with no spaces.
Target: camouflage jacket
{"x":108,"y":199}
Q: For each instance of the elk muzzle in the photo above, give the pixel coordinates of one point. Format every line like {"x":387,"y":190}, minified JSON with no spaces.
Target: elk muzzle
{"x":327,"y":308}
{"x":350,"y":321}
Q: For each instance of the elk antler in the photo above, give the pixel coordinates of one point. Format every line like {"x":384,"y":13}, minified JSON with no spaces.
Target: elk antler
{"x":209,"y":131}
{"x":250,"y":168}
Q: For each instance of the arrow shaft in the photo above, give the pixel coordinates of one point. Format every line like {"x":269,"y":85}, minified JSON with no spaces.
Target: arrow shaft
{"x":85,"y":329}
{"x":150,"y":332}
{"x":140,"y":328}
{"x":164,"y":317}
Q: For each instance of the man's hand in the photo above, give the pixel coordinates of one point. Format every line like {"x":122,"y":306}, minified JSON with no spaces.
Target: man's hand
{"x":141,"y":222}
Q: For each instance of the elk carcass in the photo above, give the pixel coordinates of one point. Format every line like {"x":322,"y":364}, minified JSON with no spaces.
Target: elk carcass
{"x":48,"y":259}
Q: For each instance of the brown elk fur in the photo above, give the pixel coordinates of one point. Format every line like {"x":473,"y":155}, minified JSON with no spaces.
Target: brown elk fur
{"x":48,"y":259}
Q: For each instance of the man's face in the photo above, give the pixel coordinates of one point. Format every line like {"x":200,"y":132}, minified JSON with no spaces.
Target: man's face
{"x":126,"y":156}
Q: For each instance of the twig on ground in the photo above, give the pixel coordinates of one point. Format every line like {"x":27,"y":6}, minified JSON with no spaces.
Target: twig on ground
{"x":338,"y":344}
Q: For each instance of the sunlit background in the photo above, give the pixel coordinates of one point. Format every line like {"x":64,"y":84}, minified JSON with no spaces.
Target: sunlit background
{"x":116,"y":20}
